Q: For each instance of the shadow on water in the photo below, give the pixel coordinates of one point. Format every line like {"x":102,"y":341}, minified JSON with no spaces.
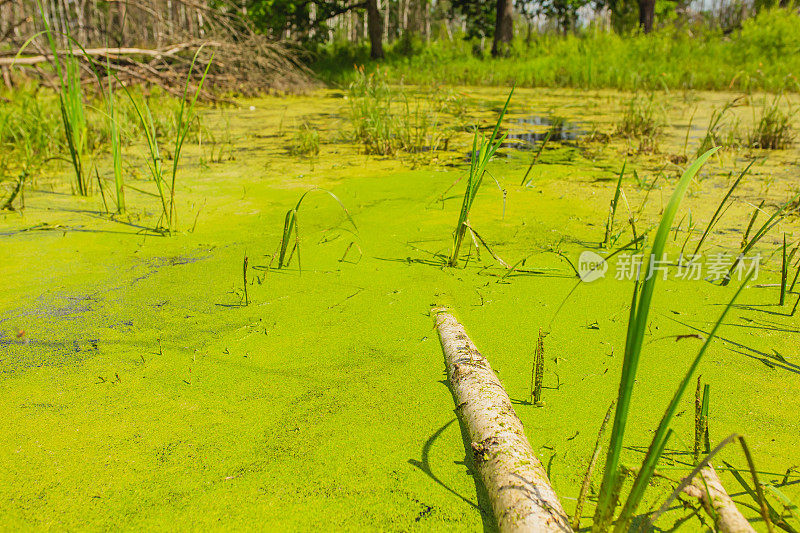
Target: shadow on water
{"x":771,"y":360}
{"x":483,"y":505}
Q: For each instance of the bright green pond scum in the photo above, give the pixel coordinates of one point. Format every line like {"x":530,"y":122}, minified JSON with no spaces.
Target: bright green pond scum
{"x":138,"y":392}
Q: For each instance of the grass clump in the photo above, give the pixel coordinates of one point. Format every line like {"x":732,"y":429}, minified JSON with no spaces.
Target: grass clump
{"x":748,"y":242}
{"x":305,"y":141}
{"x":482,"y":152}
{"x":722,"y":130}
{"x":720,"y":209}
{"x":165,"y":184}
{"x":642,"y":121}
{"x":370,"y":113}
{"x":291,"y":230}
{"x":387,"y":120}
{"x":773,"y":130}
{"x":30,"y":137}
{"x":70,"y":96}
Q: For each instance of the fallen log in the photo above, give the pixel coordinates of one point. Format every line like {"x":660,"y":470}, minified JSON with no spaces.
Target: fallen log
{"x":518,"y":488}
{"x":101,"y":52}
{"x":717,"y":503}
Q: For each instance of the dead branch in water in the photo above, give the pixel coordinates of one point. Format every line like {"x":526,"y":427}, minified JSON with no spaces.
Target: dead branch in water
{"x":717,"y":503}
{"x":517,"y":485}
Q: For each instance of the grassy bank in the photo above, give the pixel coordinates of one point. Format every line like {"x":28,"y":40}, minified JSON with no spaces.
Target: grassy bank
{"x":763,"y":55}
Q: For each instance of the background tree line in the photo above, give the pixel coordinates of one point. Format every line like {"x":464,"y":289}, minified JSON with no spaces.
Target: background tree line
{"x":387,"y":21}
{"x":259,"y":39}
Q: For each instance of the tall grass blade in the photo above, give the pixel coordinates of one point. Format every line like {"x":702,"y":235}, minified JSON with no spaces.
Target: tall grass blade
{"x":762,"y":502}
{"x":536,"y":156}
{"x":762,"y":231}
{"x":587,"y":479}
{"x":185,"y":117}
{"x":784,"y":273}
{"x":715,"y":218}
{"x":635,"y":337}
{"x":704,"y":417}
{"x":662,"y":433}
{"x":753,"y":217}
{"x":482,"y":153}
{"x":796,"y":274}
{"x":613,"y":209}
{"x":609,"y":493}
{"x":116,"y":146}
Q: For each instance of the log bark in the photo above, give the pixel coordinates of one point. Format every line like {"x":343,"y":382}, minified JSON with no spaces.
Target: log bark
{"x":717,"y":503}
{"x":520,"y":492}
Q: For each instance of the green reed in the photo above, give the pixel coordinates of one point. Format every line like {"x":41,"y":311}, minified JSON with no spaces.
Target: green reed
{"x":482,"y":152}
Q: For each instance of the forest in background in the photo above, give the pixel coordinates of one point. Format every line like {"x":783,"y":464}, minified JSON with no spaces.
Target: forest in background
{"x":262,"y":45}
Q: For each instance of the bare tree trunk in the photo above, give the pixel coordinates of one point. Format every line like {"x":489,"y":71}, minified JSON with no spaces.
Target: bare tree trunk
{"x":80,"y":12}
{"x":504,"y":27}
{"x":427,"y":20}
{"x":375,"y":30}
{"x":385,"y":6}
{"x":447,"y":29}
{"x":521,"y":496}
{"x":363,"y":31}
{"x":190,"y":20}
{"x":647,"y":13}
{"x":172,"y":13}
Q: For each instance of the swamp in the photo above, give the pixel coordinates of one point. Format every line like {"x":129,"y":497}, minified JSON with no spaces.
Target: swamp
{"x":231,"y":265}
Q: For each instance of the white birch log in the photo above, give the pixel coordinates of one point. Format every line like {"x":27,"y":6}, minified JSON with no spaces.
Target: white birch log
{"x":717,"y":503}
{"x":520,"y":492}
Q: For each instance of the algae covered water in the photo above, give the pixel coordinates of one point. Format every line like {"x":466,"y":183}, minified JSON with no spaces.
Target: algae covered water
{"x":142,"y":390}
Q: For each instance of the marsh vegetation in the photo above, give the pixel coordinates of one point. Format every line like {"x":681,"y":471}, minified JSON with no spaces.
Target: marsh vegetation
{"x":614,"y":238}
